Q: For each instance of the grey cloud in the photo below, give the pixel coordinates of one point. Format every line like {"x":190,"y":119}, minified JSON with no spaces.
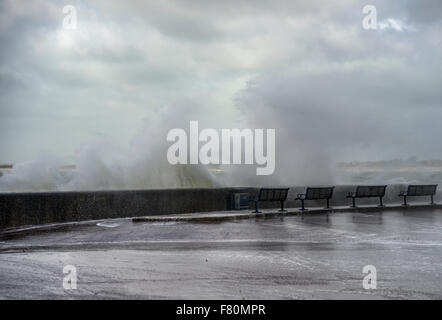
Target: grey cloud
{"x":313,"y":72}
{"x":424,"y":12}
{"x":342,"y":114}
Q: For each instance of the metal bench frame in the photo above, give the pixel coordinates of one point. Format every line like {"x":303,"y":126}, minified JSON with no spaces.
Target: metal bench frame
{"x":315,"y":193}
{"x":418,"y":190}
{"x":277,"y":194}
{"x":361,"y":194}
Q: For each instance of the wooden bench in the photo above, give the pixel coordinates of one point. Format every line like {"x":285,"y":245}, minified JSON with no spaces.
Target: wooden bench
{"x":271,"y":194}
{"x":367,"y":192}
{"x":315,"y":194}
{"x":419,"y":190}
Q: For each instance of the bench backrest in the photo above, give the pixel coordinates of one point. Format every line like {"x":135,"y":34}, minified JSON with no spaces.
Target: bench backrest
{"x":422,"y":190}
{"x":370,"y":191}
{"x":273,"y":194}
{"x":319,"y":193}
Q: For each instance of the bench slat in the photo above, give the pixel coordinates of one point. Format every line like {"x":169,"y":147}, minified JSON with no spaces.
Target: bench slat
{"x":422,"y":190}
{"x":319,"y":193}
{"x":273,"y":194}
{"x":370,"y":191}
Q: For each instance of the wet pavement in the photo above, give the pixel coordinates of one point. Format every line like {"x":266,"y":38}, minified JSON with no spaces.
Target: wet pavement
{"x":313,"y":256}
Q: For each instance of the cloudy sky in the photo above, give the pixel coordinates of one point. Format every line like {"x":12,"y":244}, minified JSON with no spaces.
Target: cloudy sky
{"x":306,"y":68}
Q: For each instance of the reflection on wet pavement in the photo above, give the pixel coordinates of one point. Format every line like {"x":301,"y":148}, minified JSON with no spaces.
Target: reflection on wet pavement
{"x":287,"y":257}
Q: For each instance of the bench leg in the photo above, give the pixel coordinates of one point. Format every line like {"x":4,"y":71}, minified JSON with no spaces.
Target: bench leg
{"x":302,"y":205}
{"x":432,"y":202}
{"x":328,"y":203}
{"x":405,"y":201}
{"x":380,"y":202}
{"x":257,"y":207}
{"x":282,"y":207}
{"x":354,"y":202}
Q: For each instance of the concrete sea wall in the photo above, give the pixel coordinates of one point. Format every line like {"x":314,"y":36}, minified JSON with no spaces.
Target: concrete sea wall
{"x":23,"y":209}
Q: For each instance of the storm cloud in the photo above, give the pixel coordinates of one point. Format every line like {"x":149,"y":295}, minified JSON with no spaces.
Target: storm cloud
{"x":330,"y":88}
